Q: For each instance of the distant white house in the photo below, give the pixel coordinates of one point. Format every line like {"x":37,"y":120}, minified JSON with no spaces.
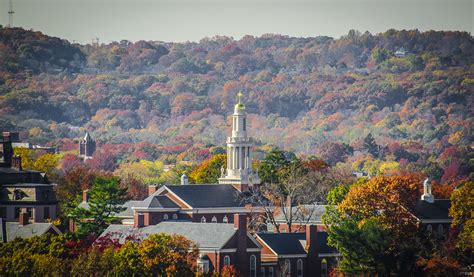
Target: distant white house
{"x":401,"y":53}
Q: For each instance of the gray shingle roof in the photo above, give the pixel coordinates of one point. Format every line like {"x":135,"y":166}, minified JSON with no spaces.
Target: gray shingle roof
{"x":294,"y":243}
{"x":206,"y":235}
{"x":156,"y":201}
{"x":285,"y":243}
{"x":437,"y":210}
{"x":208,"y":196}
{"x":15,"y":230}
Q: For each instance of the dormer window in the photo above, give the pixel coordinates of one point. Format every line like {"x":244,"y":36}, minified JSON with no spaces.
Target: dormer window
{"x":165,"y":217}
{"x":175,"y":216}
{"x":214,"y":219}
{"x":18,"y":194}
{"x":203,"y":219}
{"x":225,"y":219}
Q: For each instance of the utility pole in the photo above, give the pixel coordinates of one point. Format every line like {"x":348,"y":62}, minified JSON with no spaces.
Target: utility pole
{"x":10,"y":15}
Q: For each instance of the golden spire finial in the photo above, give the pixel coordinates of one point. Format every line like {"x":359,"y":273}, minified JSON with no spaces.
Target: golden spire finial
{"x":239,"y":95}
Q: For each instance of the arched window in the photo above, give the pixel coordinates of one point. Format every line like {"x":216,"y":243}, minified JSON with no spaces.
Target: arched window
{"x":299,"y":268}
{"x":165,"y":217}
{"x":253,"y":266}
{"x":175,"y":216}
{"x":203,"y":219}
{"x":214,"y":219}
{"x":429,"y":228}
{"x":440,"y":231}
{"x":226,"y":260}
{"x":225,"y":219}
{"x":287,"y":269}
{"x":324,"y":268}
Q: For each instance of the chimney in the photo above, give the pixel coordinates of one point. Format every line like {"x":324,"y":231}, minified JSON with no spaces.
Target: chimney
{"x":85,"y":195}
{"x":311,"y":233}
{"x":184,"y":180}
{"x":152,"y":189}
{"x":139,"y":220}
{"x":312,"y":247}
{"x":23,"y":218}
{"x":16,"y":162}
{"x":3,"y":224}
{"x":240,"y":222}
{"x":7,"y":149}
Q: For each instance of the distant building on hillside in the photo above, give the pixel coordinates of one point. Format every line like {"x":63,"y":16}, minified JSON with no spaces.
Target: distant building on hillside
{"x":401,"y":53}
{"x":87,"y":147}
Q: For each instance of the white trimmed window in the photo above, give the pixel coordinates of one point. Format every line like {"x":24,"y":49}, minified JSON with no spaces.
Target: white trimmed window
{"x":253,"y":266}
{"x":175,"y":216}
{"x":226,"y":260}
{"x":225,"y":219}
{"x":299,"y":268}
{"x":214,"y":219}
{"x":203,"y":266}
{"x":165,"y":217}
{"x":429,"y":228}
{"x":203,"y":219}
{"x":270,"y":271}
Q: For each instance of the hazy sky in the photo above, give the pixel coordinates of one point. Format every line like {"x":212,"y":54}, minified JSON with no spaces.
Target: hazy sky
{"x":183,"y":20}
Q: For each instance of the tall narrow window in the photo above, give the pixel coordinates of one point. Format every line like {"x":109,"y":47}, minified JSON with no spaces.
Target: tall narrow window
{"x":253,"y":266}
{"x":225,"y":219}
{"x":440,"y":231}
{"x":46,"y":213}
{"x":262,"y":271}
{"x":270,"y":272}
{"x":226,"y":260}
{"x":203,"y":219}
{"x":287,"y":268}
{"x":175,"y":216}
{"x":429,"y":228}
{"x":299,"y":268}
{"x":324,"y":268}
{"x":245,"y":125}
{"x":214,"y":219}
{"x":165,"y":217}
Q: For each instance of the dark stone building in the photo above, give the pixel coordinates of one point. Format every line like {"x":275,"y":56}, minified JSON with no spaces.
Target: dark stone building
{"x":86,"y":147}
{"x":21,"y":190}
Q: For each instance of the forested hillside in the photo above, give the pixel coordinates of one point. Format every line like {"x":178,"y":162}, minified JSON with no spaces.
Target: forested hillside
{"x":345,"y":100}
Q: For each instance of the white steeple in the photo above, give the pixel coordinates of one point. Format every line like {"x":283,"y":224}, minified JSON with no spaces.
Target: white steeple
{"x":427,"y":196}
{"x":239,"y":152}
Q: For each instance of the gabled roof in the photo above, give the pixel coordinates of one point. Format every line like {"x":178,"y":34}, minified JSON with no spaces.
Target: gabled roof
{"x":439,"y":210}
{"x":205,"y":235}
{"x":15,"y":230}
{"x":285,"y":243}
{"x":295,"y":243}
{"x":156,"y":201}
{"x":208,"y":196}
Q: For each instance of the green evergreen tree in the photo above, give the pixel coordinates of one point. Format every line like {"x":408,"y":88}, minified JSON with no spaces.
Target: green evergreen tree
{"x":106,"y":200}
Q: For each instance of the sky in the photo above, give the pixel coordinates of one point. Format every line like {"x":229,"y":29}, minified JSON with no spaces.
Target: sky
{"x":191,"y":20}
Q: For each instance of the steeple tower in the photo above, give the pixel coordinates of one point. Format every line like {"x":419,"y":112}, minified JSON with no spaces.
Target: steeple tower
{"x":239,"y":153}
